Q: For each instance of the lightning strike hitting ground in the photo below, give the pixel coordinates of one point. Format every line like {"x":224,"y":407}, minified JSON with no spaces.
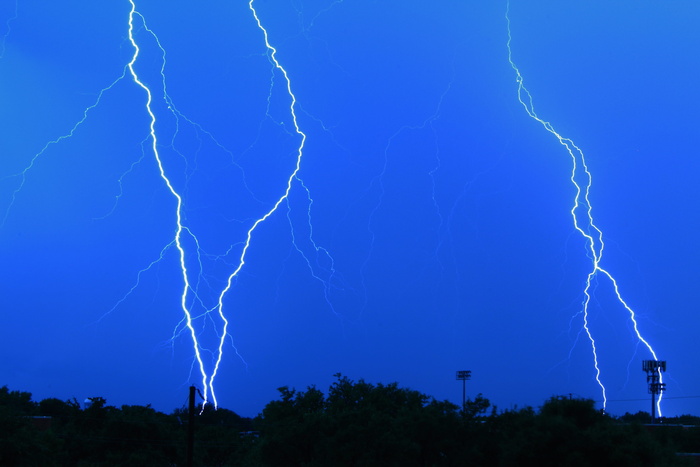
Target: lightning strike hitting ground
{"x":184,"y":239}
{"x":178,"y":210}
{"x":272,"y":54}
{"x":582,"y":215}
{"x":165,"y":215}
{"x":208,"y":377}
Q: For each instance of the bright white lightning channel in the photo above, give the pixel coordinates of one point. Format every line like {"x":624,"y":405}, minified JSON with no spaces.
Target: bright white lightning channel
{"x":582,"y":214}
{"x":180,"y":228}
{"x":183,"y":231}
{"x":272,"y":55}
{"x":208,"y":379}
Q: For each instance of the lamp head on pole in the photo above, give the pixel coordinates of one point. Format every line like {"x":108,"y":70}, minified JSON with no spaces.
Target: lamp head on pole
{"x":464,"y":375}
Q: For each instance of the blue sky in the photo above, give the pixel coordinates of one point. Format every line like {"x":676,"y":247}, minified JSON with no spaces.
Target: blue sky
{"x":428,"y":229}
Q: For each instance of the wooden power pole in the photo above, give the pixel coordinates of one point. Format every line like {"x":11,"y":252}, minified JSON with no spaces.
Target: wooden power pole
{"x":190,"y":429}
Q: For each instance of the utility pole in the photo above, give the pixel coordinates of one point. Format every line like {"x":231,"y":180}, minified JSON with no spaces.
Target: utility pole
{"x":463,"y":376}
{"x":190,"y":429}
{"x":653,"y":369}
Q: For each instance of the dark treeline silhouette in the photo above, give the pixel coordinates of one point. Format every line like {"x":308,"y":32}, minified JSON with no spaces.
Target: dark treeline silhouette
{"x":352,"y":424}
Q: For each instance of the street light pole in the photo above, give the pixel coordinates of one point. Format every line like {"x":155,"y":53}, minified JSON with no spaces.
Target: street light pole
{"x":463,"y":376}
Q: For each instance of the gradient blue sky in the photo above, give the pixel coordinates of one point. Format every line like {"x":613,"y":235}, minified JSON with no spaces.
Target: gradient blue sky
{"x":440,"y":239}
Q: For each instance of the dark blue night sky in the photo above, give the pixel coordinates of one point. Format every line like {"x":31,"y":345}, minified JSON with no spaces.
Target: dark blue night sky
{"x":427,"y":230}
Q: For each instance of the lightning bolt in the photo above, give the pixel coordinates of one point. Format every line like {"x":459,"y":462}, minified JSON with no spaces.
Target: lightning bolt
{"x":191,"y":256}
{"x":189,"y":288}
{"x":209,"y":379}
{"x":178,"y":211}
{"x":582,"y":215}
{"x":272,"y":56}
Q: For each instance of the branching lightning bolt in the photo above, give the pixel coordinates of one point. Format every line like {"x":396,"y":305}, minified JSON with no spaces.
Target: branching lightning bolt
{"x":181,"y":229}
{"x":183,"y":234}
{"x":582,"y":214}
{"x":319,"y":251}
{"x":22,"y":175}
{"x":178,"y":213}
{"x":272,"y":55}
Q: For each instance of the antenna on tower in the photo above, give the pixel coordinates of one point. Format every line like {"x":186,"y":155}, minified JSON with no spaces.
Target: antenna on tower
{"x":653,"y":369}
